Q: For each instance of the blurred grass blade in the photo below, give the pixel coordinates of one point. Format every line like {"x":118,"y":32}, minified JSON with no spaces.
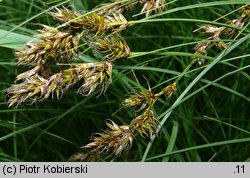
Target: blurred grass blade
{"x":172,"y":140}
{"x":13,"y":40}
{"x":226,"y":142}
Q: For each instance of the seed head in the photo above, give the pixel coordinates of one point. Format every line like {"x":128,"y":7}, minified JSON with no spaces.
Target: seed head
{"x":55,"y":46}
{"x":32,"y":87}
{"x":170,"y":90}
{"x":139,"y":99}
{"x":115,"y":140}
{"x":75,"y":20}
{"x":37,"y":88}
{"x":93,"y":22}
{"x":145,"y":124}
{"x":201,"y":49}
{"x":150,"y":5}
{"x":111,"y":47}
{"x":239,"y":23}
{"x":100,"y":74}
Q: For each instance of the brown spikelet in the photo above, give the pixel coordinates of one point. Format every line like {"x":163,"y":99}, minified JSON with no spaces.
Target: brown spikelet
{"x":75,"y":20}
{"x":115,"y":140}
{"x":55,"y":46}
{"x":111,"y":47}
{"x":145,"y":124}
{"x":117,"y":21}
{"x":139,"y":99}
{"x":97,"y":24}
{"x":37,"y":88}
{"x":38,"y":69}
{"x":215,"y":33}
{"x":201,"y":49}
{"x":32,"y":87}
{"x":100,"y":74}
{"x":150,"y":5}
{"x":230,"y":32}
{"x":170,"y":90}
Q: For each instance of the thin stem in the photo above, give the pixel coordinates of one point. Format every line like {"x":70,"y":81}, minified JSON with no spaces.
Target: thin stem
{"x":174,"y":20}
{"x":184,"y":71}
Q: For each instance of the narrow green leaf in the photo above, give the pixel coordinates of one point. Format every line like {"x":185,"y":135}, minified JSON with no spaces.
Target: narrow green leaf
{"x":13,"y":40}
{"x":172,"y":140}
{"x":226,"y":142}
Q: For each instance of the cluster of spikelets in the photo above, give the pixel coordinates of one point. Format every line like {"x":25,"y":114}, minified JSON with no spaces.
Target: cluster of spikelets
{"x":119,"y":139}
{"x":37,"y":88}
{"x":215,"y":33}
{"x":56,"y":46}
{"x":99,"y":31}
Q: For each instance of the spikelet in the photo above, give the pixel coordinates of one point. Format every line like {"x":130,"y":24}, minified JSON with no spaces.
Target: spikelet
{"x":115,"y":141}
{"x":201,"y":48}
{"x":111,"y":47}
{"x":230,"y":32}
{"x":215,"y":33}
{"x":74,"y":20}
{"x":118,"y":21}
{"x":97,"y":24}
{"x":37,"y":88}
{"x":38,"y":69}
{"x":33,"y":87}
{"x":246,"y":13}
{"x":145,"y":124}
{"x":150,"y":5}
{"x":239,"y":22}
{"x":100,"y":74}
{"x":170,"y":90}
{"x":139,"y":99}
{"x":55,"y":46}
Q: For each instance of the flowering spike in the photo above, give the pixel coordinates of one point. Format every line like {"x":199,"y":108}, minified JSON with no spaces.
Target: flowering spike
{"x":37,"y":88}
{"x":170,"y":90}
{"x":145,"y":124}
{"x":55,"y":46}
{"x":239,"y":23}
{"x":100,"y":75}
{"x":93,"y":22}
{"x":139,"y":99}
{"x":111,"y":47}
{"x":150,"y":5}
{"x":115,"y":140}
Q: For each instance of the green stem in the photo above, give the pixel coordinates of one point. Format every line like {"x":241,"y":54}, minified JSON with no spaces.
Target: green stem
{"x":174,"y":20}
{"x":184,"y":71}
